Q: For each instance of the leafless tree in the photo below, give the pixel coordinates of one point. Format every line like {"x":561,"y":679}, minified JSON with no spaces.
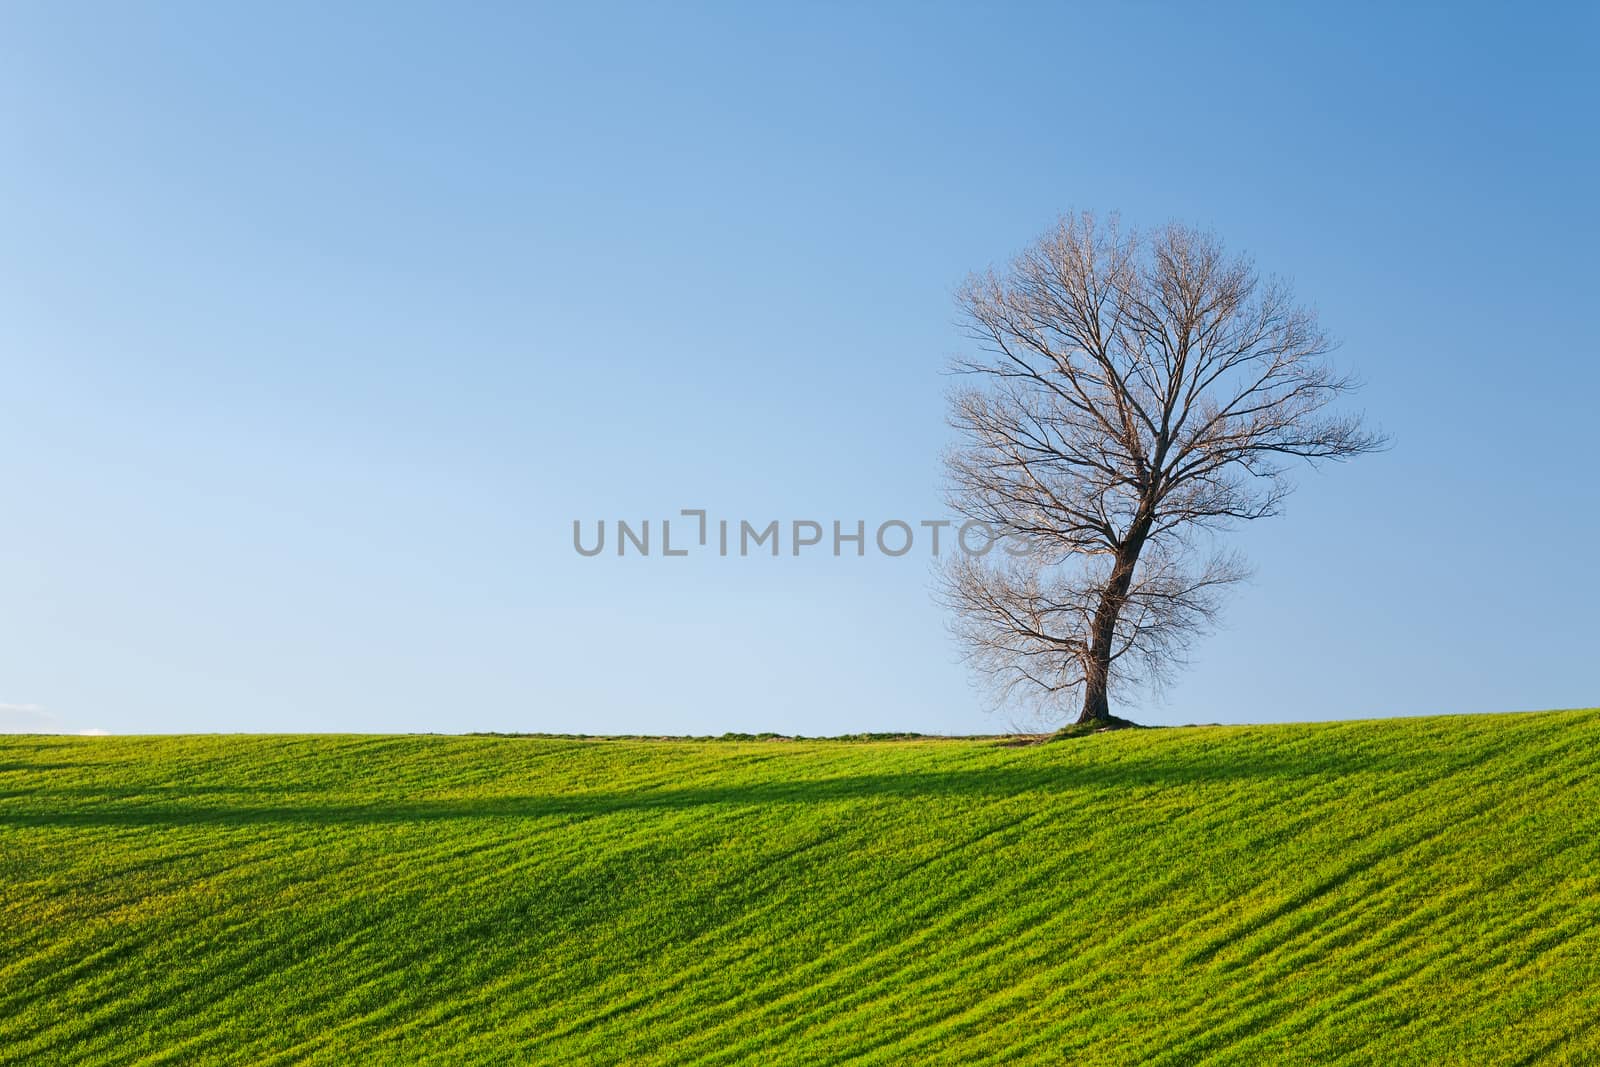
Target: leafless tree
{"x":1136,"y":394}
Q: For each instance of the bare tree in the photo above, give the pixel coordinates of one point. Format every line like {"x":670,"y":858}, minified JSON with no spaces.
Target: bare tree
{"x":1136,"y":395}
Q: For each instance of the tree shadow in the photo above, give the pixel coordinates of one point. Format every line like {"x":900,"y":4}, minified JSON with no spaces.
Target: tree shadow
{"x":202,"y":805}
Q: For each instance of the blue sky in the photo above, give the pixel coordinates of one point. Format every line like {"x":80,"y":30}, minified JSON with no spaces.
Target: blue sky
{"x":319,"y":327}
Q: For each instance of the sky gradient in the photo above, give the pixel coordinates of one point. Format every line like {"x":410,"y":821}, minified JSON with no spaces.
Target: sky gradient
{"x":319,"y":328}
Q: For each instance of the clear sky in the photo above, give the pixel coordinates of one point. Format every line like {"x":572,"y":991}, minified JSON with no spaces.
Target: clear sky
{"x":319,"y":324}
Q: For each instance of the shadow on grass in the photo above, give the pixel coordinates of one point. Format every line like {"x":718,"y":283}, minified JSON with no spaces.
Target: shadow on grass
{"x":179,"y":805}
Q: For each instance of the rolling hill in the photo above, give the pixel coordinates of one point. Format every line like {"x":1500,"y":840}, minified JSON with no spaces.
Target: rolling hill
{"x":1398,"y":891}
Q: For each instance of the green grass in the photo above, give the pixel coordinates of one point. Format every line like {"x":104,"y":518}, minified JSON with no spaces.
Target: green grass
{"x":1406,"y":891}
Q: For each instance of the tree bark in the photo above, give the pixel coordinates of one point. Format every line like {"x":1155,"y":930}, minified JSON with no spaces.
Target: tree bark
{"x":1096,"y":705}
{"x":1103,"y":632}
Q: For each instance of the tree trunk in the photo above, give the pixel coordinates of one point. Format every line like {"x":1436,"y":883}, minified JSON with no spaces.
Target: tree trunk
{"x":1096,"y":704}
{"x":1103,"y":633}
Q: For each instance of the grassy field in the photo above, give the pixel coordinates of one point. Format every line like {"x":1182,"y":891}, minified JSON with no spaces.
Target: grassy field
{"x":1417,"y":891}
